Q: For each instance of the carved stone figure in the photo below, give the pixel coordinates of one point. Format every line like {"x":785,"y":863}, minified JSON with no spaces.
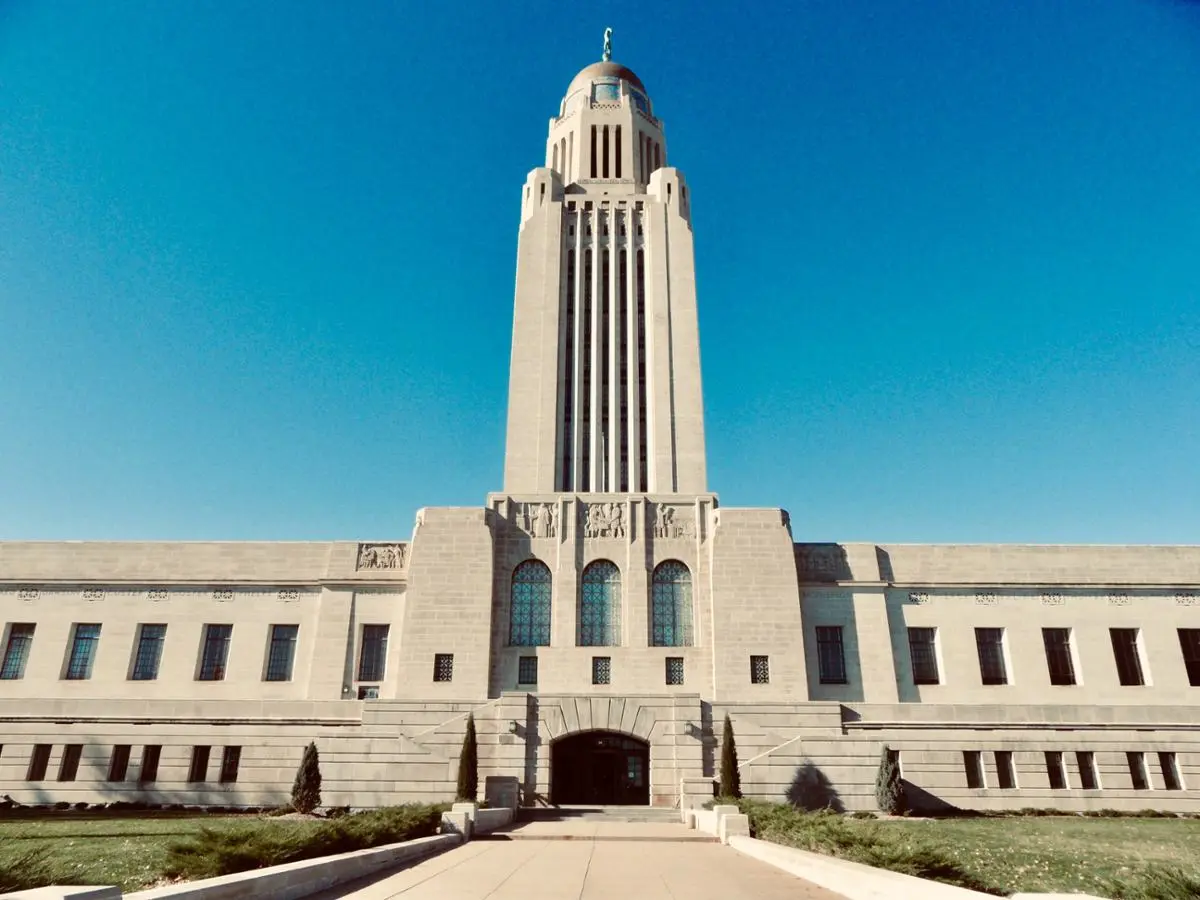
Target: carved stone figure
{"x":664,"y":523}
{"x":607,"y":44}
{"x":552,"y":529}
{"x":380,"y":556}
{"x":604,"y":520}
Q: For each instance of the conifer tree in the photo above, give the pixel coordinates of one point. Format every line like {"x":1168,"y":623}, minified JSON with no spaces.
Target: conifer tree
{"x":889,"y":788}
{"x":468,"y":765}
{"x":731,"y":782}
{"x":306,"y":789}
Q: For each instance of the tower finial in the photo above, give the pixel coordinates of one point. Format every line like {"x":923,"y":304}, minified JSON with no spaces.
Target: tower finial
{"x":607,"y":44}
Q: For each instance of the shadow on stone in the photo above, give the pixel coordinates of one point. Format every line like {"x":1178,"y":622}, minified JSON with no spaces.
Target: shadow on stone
{"x":811,"y":790}
{"x":921,"y":801}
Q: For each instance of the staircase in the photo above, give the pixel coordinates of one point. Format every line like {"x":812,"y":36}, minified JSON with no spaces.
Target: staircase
{"x":655,"y":815}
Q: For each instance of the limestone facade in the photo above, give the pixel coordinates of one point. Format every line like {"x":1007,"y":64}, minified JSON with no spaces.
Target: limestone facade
{"x":604,"y":592}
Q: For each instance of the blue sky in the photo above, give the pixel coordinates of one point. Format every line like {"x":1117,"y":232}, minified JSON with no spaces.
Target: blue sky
{"x":256,"y":259}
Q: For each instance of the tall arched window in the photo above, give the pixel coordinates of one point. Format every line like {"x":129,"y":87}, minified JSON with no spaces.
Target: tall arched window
{"x":600,"y":605}
{"x":529,"y":617}
{"x":671,"y":605}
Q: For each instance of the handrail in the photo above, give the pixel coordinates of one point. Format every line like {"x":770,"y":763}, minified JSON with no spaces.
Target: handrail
{"x":453,"y":719}
{"x":742,"y":765}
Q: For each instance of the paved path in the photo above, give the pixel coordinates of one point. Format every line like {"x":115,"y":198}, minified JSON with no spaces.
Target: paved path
{"x":596,"y":829}
{"x":586,"y":869}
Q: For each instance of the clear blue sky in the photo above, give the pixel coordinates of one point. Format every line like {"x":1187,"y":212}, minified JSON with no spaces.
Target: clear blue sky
{"x":256,"y":259}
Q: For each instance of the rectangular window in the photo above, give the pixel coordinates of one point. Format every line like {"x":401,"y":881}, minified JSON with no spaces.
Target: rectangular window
{"x":118,"y":763}
{"x":198,"y":771}
{"x":973,"y":764}
{"x":1189,"y":643}
{"x":1125,"y":651}
{"x":831,"y":657}
{"x":1089,"y":778}
{"x":83,"y":652}
{"x":1055,"y":770}
{"x":148,"y":774}
{"x":231,"y":758}
{"x":1137,"y":770}
{"x":281,"y":652}
{"x":1006,"y":776}
{"x":675,"y":670}
{"x":149,"y":652}
{"x":372,"y":656}
{"x":1170,"y":771}
{"x":368,"y":692}
{"x":527,"y":670}
{"x":215,"y":652}
{"x":922,"y":648}
{"x":443,"y":667}
{"x":1058,"y":655}
{"x":760,"y":670}
{"x":69,"y":767}
{"x":16,"y":651}
{"x":601,"y":670}
{"x":38,"y":762}
{"x":989,"y":642}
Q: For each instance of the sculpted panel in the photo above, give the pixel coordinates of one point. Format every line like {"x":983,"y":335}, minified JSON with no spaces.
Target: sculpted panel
{"x":670,"y":521}
{"x":381,"y":556}
{"x":539,"y":520}
{"x":603,"y":519}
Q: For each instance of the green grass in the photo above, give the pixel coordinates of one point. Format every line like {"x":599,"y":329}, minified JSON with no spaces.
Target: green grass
{"x":1125,"y":858}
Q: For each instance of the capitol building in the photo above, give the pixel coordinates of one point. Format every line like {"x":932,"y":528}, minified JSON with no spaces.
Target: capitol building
{"x":603,"y":612}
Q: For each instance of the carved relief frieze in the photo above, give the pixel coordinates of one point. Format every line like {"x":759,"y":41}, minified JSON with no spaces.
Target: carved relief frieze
{"x":822,"y":562}
{"x":381,"y":556}
{"x":667,"y":521}
{"x":604,"y":520}
{"x":539,"y":520}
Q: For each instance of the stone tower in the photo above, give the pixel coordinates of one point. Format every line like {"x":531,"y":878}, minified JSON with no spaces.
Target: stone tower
{"x":604,"y":390}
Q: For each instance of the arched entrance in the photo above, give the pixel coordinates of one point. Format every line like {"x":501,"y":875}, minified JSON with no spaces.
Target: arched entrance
{"x":605,"y":768}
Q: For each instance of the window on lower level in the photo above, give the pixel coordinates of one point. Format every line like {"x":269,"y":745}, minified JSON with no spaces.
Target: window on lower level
{"x":148,"y":774}
{"x":1059,"y":657}
{"x":973,"y":765}
{"x":675,"y":670}
{"x":1055,"y":770}
{"x":198,"y":770}
{"x":1189,"y":643}
{"x":149,"y":652}
{"x":118,"y":763}
{"x":282,"y":652}
{"x":84,"y":641}
{"x":231,"y":758}
{"x":368,"y":692}
{"x":1137,"y":770}
{"x":760,"y":670}
{"x":989,"y":644}
{"x":601,"y":670}
{"x":1006,"y":775}
{"x":443,"y":667}
{"x":69,"y":767}
{"x":1127,"y":656}
{"x":372,"y":654}
{"x":1089,"y":778}
{"x":1170,"y":771}
{"x":831,"y":656}
{"x":16,"y":650}
{"x":527,"y":670}
{"x":214,"y":652}
{"x":38,"y":762}
{"x":922,"y":648}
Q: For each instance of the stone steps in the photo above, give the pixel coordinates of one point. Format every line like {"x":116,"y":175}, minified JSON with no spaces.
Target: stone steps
{"x":639,"y":814}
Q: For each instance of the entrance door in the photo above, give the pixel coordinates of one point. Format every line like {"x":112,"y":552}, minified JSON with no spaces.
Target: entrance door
{"x":602,"y":768}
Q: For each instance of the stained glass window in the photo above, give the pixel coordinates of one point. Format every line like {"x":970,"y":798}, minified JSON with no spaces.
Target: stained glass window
{"x":671,"y":605}
{"x":529,"y":622}
{"x":600,"y":605}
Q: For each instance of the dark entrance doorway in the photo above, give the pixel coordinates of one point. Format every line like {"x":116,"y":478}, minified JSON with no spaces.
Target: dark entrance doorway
{"x":605,"y":768}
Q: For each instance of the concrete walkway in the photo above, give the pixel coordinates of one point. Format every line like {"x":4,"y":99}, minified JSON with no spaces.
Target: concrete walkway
{"x":583,"y":868}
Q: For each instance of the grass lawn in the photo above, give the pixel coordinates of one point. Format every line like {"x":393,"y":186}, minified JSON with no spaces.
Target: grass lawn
{"x":128,"y":851}
{"x":1066,"y":853}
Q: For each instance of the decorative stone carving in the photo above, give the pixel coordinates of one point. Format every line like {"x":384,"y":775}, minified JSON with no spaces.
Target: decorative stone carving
{"x":1186,"y":598}
{"x":27,"y":593}
{"x":93,"y":594}
{"x":670,"y":521}
{"x":1054,"y":599}
{"x":822,"y":562}
{"x":289,"y":595}
{"x":918,"y":597}
{"x":381,"y":556}
{"x":539,"y":520}
{"x":157,"y":595}
{"x":224,"y":595}
{"x":1118,"y":599}
{"x":603,"y":520}
{"x":986,"y":598}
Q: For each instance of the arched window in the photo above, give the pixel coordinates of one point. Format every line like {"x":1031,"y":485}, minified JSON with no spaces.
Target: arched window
{"x":600,"y":605}
{"x":671,"y":605}
{"x":529,"y":617}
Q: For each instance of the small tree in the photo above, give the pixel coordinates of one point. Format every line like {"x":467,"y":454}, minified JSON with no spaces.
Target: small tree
{"x":889,"y":788}
{"x":468,"y":765}
{"x":731,"y":782}
{"x":306,"y":789}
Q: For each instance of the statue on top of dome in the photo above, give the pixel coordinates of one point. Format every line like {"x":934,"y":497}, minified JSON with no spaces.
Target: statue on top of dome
{"x":608,"y":45}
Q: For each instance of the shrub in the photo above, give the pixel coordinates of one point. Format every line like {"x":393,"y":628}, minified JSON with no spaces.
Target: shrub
{"x":306,"y":790}
{"x":27,"y":871}
{"x":889,"y":789}
{"x":731,"y":782}
{"x":468,"y":765}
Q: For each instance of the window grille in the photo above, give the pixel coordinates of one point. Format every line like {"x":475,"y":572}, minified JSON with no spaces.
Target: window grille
{"x":973,"y":764}
{"x":1055,"y":770}
{"x":69,"y":767}
{"x":1006,"y":776}
{"x":671,"y":605}
{"x":1089,"y":778}
{"x":1125,"y":652}
{"x":760,"y":670}
{"x":922,"y":648}
{"x":231,"y":758}
{"x":601,"y":670}
{"x":1137,"y":770}
{"x":443,"y":667}
{"x":118,"y":763}
{"x":83,"y":652}
{"x":831,"y":656}
{"x":1189,"y":643}
{"x":989,"y":643}
{"x":675,"y":670}
{"x":16,"y":651}
{"x":529,"y":614}
{"x":149,"y":652}
{"x":1058,"y":655}
{"x":148,"y":774}
{"x":600,"y":605}
{"x":527,"y":670}
{"x":198,"y":771}
{"x":372,"y":656}
{"x":282,"y":652}
{"x":215,"y":653}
